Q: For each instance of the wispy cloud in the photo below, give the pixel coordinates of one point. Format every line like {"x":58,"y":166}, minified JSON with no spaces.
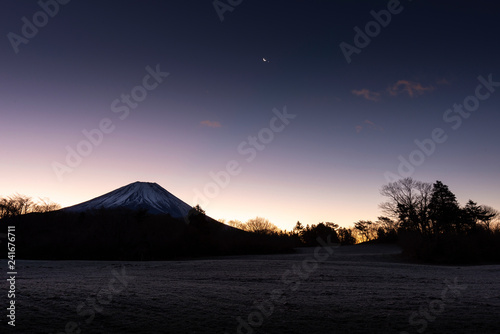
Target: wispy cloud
{"x":367,"y":124}
{"x":211,"y":124}
{"x":410,"y":87}
{"x":367,"y":94}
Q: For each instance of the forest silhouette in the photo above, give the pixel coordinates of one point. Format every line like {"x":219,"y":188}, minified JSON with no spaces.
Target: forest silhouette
{"x":424,"y":219}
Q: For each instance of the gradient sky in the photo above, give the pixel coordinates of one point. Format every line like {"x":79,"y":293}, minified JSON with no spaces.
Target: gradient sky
{"x":352,"y":120}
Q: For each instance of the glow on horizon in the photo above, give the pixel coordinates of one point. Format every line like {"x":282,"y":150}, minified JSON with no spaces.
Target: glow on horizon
{"x":309,"y":200}
{"x":284,"y":212}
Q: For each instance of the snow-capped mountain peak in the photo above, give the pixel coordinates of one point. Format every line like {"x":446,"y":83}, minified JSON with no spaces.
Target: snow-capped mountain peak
{"x":137,"y":195}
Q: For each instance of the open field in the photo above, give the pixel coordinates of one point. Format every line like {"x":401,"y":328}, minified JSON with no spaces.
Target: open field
{"x":356,"y":289}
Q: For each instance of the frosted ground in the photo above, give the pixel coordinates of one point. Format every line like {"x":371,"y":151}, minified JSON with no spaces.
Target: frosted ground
{"x":357,"y":289}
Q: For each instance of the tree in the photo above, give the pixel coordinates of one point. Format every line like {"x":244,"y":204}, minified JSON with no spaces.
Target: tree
{"x":495,"y":224}
{"x":386,"y":223}
{"x":386,"y":229}
{"x":365,"y":229}
{"x":311,"y":235}
{"x":473,"y":215}
{"x":261,"y":226}
{"x":488,"y":216}
{"x":45,"y":205}
{"x":444,"y":211}
{"x":18,"y":204}
{"x":408,"y":203}
{"x":345,"y":236}
{"x":298,"y":228}
{"x":5,"y":208}
{"x":195,"y":215}
{"x":331,"y":225}
{"x":236,"y":224}
{"x":197,"y":210}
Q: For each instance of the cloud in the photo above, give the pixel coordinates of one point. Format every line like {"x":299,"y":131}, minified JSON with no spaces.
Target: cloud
{"x":211,"y":124}
{"x":410,"y":87}
{"x":367,"y":94}
{"x":367,"y":124}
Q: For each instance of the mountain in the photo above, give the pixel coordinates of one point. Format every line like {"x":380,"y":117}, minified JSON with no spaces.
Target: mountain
{"x":138,"y":195}
{"x":118,"y":235}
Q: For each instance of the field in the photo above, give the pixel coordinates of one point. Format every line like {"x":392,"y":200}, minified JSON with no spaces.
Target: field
{"x":350,"y":289}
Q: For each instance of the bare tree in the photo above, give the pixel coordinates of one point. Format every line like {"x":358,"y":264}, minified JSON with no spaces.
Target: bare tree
{"x":489,"y":216}
{"x":45,"y":205}
{"x":408,"y":203}
{"x":22,"y":204}
{"x":5,"y":207}
{"x":17,"y":204}
{"x":236,"y":224}
{"x":261,"y":225}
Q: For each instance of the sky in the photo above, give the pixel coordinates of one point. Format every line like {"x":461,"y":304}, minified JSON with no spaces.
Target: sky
{"x":289,"y":110}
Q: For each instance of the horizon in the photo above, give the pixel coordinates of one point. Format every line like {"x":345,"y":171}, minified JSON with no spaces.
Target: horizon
{"x":219,"y":219}
{"x":276,"y":110}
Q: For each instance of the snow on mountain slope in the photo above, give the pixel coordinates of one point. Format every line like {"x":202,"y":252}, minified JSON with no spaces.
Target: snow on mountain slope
{"x":137,"y":195}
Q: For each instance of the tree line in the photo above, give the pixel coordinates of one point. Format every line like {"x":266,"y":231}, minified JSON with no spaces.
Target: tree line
{"x":17,"y":204}
{"x":301,"y":235}
{"x":432,"y":226}
{"x":425,"y":219}
{"x":433,"y":209}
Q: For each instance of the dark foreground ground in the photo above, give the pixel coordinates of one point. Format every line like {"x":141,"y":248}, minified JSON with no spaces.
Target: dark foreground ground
{"x":357,"y":289}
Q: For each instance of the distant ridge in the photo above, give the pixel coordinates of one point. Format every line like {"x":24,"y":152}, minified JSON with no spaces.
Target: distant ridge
{"x":135,"y":196}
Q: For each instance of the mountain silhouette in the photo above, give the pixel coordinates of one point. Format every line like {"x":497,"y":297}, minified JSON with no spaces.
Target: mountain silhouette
{"x":147,"y":196}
